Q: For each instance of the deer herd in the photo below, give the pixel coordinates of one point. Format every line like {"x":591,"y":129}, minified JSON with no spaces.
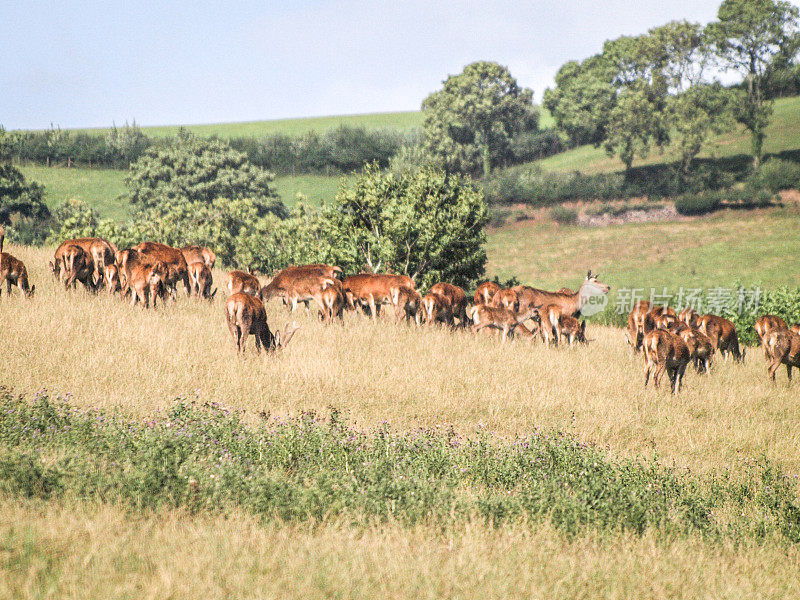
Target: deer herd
{"x":669,"y":341}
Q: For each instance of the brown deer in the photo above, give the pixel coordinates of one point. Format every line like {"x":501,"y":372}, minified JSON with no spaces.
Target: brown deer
{"x":485,"y":292}
{"x":75,"y":264}
{"x":570,"y":304}
{"x":457,"y":299}
{"x":783,"y":347}
{"x":111,"y":278}
{"x":700,"y":349}
{"x":304,"y":288}
{"x":147,"y":281}
{"x":638,"y":324}
{"x":502,"y":319}
{"x":245,"y":315}
{"x":408,"y":304}
{"x":722,"y":334}
{"x":373,"y":290}
{"x":199,"y":254}
{"x":201,"y":280}
{"x":665,"y":351}
{"x":766,"y":324}
{"x":572,"y":330}
{"x":100,"y":251}
{"x":285,"y":279}
{"x":505,"y":298}
{"x":177,"y":269}
{"x":239,"y":281}
{"x":663,"y":318}
{"x":333,"y":301}
{"x":14,"y":272}
{"x":436,"y":308}
{"x":689,"y":316}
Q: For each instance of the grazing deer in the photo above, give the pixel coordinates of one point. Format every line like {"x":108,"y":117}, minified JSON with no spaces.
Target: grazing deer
{"x":505,"y":298}
{"x":75,"y":264}
{"x":13,"y":272}
{"x":783,"y":347}
{"x":111,"y":278}
{"x":304,"y":288}
{"x":201,"y":280}
{"x":572,"y":329}
{"x":239,"y":281}
{"x":457,"y":299}
{"x":147,"y":281}
{"x":408,"y":304}
{"x":722,"y":334}
{"x":373,"y":290}
{"x":485,"y":292}
{"x":689,"y":316}
{"x":245,"y":315}
{"x":436,"y":308}
{"x":177,"y":269}
{"x":502,"y":319}
{"x":570,"y":304}
{"x":333,"y":301}
{"x":638,"y":324}
{"x":700,"y":349}
{"x":665,"y":351}
{"x":766,"y":324}
{"x":199,"y":253}
{"x":663,"y":318}
{"x":100,"y":251}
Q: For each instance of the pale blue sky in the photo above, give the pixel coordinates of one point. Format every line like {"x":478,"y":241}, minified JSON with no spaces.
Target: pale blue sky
{"x":85,"y":63}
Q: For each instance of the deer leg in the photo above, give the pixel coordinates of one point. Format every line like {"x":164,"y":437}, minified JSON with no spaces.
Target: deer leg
{"x":659,"y":374}
{"x":647,"y":366}
{"x":776,"y":362}
{"x":789,"y":372}
{"x":373,"y":308}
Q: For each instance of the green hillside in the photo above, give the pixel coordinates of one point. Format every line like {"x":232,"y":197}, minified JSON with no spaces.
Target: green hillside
{"x":783,"y":134}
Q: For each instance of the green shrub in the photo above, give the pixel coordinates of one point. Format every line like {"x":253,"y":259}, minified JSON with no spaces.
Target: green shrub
{"x":783,"y":302}
{"x":777,"y":174}
{"x":697,"y":204}
{"x":563,"y":215}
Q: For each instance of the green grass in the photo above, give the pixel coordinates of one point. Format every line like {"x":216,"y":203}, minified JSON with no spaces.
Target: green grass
{"x":99,"y":188}
{"x":783,"y":134}
{"x":401,"y":121}
{"x":752,"y":247}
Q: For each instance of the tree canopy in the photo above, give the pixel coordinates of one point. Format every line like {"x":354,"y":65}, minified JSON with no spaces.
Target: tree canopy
{"x":471,"y":121}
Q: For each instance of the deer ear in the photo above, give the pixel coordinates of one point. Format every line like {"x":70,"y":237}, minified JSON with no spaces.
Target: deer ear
{"x":589,"y":274}
{"x":583,"y":326}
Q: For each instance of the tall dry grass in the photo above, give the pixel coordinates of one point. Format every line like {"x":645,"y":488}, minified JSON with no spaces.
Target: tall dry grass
{"x":106,"y":354}
{"x":76,"y":550}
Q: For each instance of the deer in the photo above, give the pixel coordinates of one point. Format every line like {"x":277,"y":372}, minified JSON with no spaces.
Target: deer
{"x":239,"y":281}
{"x":101,"y":251}
{"x":795,"y":328}
{"x":485,"y":292}
{"x":408,"y":303}
{"x":663,"y":317}
{"x":303,"y":288}
{"x":504,"y":320}
{"x":665,"y":351}
{"x":437,"y":308}
{"x":14,"y":272}
{"x":283,"y":280}
{"x":245,"y":315}
{"x":572,"y":329}
{"x":373,"y":290}
{"x":701,"y":351}
{"x":722,"y":334}
{"x":783,"y":347}
{"x":175,"y":263}
{"x":764,"y":325}
{"x":147,"y":281}
{"x":639,"y":323}
{"x":505,"y":298}
{"x":199,"y":254}
{"x":201,"y":280}
{"x":111,"y":278}
{"x":457,"y":298}
{"x":570,"y":304}
{"x":332,"y":298}
{"x":75,"y":264}
{"x":689,"y":316}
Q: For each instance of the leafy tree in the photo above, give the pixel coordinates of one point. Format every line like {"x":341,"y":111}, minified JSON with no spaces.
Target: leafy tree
{"x":582,"y":99}
{"x":749,"y":36}
{"x":695,"y":114}
{"x":19,"y":199}
{"x":128,"y":143}
{"x":426,"y":224}
{"x":470,"y":122}
{"x":193,"y":170}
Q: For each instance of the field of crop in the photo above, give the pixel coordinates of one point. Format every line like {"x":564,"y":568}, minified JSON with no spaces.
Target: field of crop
{"x":372,"y":536}
{"x":783,"y":134}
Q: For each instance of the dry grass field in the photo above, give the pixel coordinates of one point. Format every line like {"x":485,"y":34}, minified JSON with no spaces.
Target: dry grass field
{"x":104,"y":354}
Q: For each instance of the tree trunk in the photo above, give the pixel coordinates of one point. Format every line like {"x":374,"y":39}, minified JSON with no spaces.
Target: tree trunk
{"x":487,"y":161}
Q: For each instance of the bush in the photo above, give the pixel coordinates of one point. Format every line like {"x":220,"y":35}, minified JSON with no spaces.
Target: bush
{"x":564,"y":216}
{"x":697,"y":204}
{"x":777,"y":174}
{"x":783,"y":302}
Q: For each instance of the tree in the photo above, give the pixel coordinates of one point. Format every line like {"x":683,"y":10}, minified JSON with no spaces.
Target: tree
{"x":196,"y":170}
{"x":19,"y":199}
{"x":470,"y":122}
{"x":696,"y":114}
{"x":426,"y":224}
{"x":583,"y":99}
{"x":748,"y":37}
